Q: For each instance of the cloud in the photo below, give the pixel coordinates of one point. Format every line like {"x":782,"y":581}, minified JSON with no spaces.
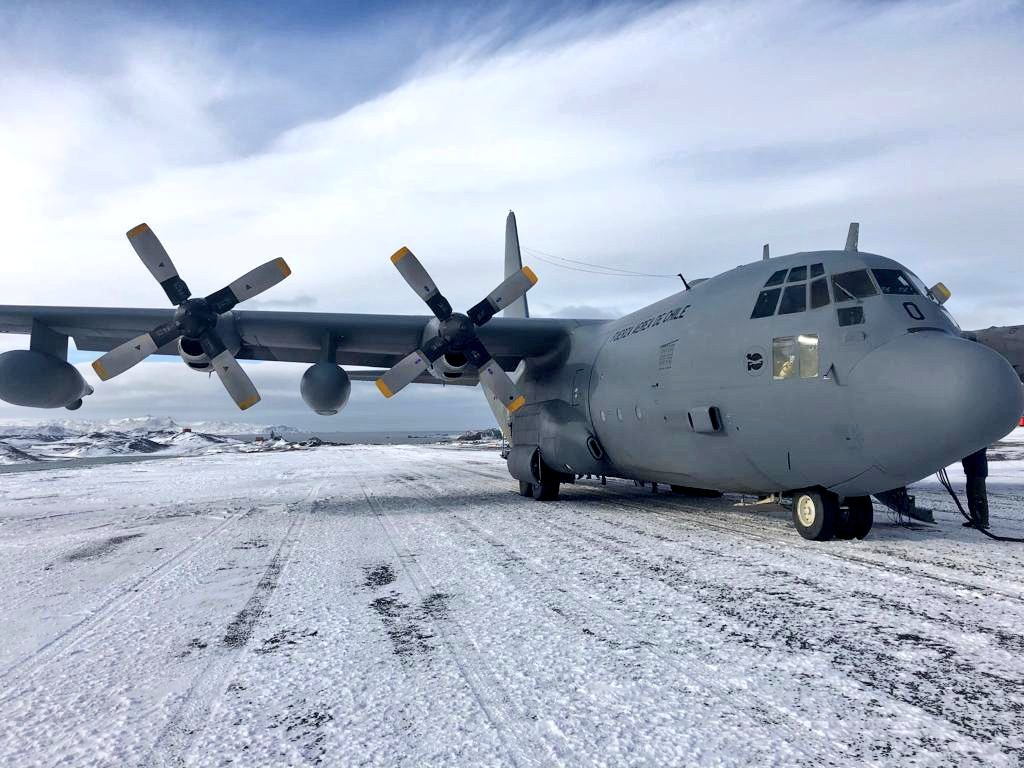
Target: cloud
{"x":677,"y":138}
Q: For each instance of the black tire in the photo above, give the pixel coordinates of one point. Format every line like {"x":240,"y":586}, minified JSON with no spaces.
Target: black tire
{"x":816,"y":514}
{"x":860,"y":516}
{"x":526,"y":489}
{"x":546,"y":490}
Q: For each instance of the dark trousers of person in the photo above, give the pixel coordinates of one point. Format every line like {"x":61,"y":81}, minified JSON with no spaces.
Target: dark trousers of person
{"x":976,"y":470}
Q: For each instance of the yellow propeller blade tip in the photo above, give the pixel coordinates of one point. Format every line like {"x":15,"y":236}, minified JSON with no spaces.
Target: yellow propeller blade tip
{"x":530,"y":275}
{"x":100,"y":370}
{"x":245,"y":404}
{"x":400,"y":254}
{"x":283,"y":266}
{"x":384,"y":390}
{"x":516,"y":404}
{"x":138,"y":230}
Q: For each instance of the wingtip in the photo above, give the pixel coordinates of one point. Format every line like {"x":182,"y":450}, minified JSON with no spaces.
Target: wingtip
{"x":400,"y":254}
{"x":247,"y":404}
{"x":100,"y":370}
{"x":138,"y":229}
{"x":516,"y":404}
{"x":384,"y":389}
{"x":530,"y":275}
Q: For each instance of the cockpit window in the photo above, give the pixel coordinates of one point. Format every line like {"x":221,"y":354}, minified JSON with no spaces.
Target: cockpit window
{"x":894,"y":281}
{"x":794,"y":299}
{"x":848,"y":286}
{"x":797,"y":273}
{"x":766,"y":302}
{"x":817,"y":270}
{"x":819,"y":293}
{"x":776,"y":279}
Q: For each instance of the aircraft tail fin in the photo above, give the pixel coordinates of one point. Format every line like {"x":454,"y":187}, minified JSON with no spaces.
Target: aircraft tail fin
{"x":518,"y":308}
{"x":513,"y":263}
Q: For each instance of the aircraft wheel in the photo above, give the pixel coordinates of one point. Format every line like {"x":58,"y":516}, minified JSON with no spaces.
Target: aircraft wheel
{"x":526,"y":489}
{"x":546,"y":490}
{"x":816,"y":514}
{"x":860,"y":517}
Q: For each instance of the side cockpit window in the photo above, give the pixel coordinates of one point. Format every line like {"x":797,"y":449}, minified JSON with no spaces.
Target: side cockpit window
{"x":849,"y":286}
{"x":766,"y":303}
{"x":795,"y":357}
{"x":794,"y":293}
{"x":819,"y":293}
{"x":894,"y":281}
{"x":794,"y":299}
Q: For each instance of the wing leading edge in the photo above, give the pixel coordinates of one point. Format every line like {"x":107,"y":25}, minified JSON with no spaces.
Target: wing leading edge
{"x":379,"y":341}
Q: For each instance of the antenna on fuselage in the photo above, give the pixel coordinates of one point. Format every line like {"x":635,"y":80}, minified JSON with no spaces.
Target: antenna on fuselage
{"x":764,"y":253}
{"x":852,"y":236}
{"x":684,"y":280}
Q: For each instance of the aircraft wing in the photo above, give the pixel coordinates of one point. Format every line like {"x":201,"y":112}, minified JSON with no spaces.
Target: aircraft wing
{"x":379,"y":341}
{"x":1007,"y":340}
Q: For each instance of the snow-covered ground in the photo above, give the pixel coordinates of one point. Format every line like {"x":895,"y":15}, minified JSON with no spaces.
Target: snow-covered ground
{"x":402,"y":605}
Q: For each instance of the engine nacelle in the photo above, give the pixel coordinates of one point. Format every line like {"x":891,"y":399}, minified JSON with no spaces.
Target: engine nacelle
{"x":37,"y":380}
{"x":452,"y":365}
{"x":192,"y":353}
{"x":325,"y":388}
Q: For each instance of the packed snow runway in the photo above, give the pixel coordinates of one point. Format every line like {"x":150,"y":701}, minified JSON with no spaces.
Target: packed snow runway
{"x":372,"y":605}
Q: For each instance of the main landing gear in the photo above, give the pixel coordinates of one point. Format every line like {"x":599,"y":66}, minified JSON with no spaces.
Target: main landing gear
{"x":818,"y":515}
{"x":546,"y":490}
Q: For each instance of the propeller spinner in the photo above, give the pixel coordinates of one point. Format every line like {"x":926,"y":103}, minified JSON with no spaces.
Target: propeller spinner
{"x":195,"y":318}
{"x":457,"y":332}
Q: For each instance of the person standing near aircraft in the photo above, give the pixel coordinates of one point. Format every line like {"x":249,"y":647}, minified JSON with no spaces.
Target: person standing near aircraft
{"x":976,"y":470}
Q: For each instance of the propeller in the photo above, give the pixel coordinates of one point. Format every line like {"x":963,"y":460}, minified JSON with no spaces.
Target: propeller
{"x":457,"y":332}
{"x":195,"y":318}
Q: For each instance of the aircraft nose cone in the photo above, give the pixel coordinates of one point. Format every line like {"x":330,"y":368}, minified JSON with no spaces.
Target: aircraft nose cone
{"x":925,"y":400}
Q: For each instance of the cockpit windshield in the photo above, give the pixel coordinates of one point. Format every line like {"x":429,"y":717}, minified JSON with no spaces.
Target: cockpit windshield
{"x":849,"y":286}
{"x":894,"y":281}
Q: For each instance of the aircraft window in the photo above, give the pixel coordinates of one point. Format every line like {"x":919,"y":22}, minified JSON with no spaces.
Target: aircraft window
{"x":819,"y":293}
{"x":766,"y":303}
{"x":817,"y":270}
{"x":794,"y":299}
{"x":894,"y":281}
{"x":850,"y":315}
{"x":797,"y":273}
{"x":808,"y":346}
{"x":848,"y":286}
{"x":784,"y":361}
{"x":776,"y":279}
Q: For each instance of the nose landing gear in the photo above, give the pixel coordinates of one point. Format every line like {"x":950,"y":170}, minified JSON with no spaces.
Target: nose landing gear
{"x":818,"y":516}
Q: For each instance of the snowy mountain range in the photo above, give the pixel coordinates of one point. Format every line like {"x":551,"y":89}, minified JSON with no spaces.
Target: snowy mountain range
{"x":27,"y":441}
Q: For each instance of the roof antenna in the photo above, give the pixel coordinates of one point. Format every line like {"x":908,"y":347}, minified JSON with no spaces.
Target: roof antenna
{"x":852,"y":236}
{"x":764,"y":253}
{"x":684,"y":280}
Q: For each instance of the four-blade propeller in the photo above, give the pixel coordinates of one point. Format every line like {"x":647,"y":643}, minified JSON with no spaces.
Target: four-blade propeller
{"x":194,"y":318}
{"x":457,"y":332}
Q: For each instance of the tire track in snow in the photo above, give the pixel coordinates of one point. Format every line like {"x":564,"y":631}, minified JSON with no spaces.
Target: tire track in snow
{"x":930,"y":691}
{"x":495,"y":704}
{"x":204,"y":694}
{"x":109,"y":606}
{"x":588,"y":604}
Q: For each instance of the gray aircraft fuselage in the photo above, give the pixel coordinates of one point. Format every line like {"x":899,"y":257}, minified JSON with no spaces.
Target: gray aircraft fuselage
{"x":853,"y":380}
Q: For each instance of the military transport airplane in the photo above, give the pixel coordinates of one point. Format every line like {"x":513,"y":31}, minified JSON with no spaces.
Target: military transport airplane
{"x":829,"y":375}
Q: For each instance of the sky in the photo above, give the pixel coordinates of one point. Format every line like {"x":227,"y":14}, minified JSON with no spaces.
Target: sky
{"x":656,"y":137}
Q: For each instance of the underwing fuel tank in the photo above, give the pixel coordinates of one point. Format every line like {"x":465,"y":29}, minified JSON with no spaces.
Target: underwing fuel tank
{"x":37,"y":380}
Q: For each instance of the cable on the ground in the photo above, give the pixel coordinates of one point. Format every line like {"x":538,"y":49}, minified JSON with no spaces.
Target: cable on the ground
{"x":944,"y":480}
